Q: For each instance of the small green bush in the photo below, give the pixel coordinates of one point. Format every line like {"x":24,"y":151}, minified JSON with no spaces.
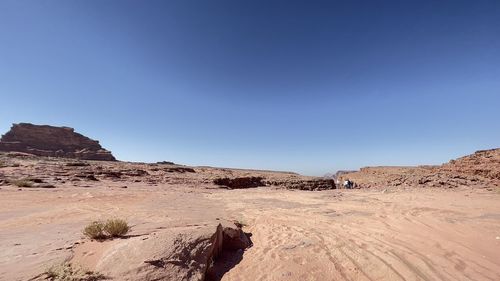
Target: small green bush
{"x":95,"y":230}
{"x":66,"y":272}
{"x":116,"y":227}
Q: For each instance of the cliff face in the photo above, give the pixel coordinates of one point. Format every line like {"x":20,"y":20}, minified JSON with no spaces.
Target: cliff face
{"x":483,"y":164}
{"x":44,"y":140}
{"x":481,"y":169}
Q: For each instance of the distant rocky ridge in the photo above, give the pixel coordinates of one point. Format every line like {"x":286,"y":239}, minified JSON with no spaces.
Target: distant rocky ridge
{"x":44,"y":140}
{"x":481,"y":168}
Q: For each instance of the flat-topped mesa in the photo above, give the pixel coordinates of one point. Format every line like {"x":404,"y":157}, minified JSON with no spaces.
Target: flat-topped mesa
{"x":44,"y":140}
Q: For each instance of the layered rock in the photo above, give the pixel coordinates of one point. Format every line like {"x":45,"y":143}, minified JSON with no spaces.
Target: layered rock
{"x":482,"y":164}
{"x":44,"y":140}
{"x":481,"y":168}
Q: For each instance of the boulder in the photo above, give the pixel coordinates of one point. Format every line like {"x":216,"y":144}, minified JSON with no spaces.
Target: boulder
{"x":170,"y":254}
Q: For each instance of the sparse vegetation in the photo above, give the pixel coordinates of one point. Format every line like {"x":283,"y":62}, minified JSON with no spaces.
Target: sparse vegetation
{"x":100,"y":230}
{"x":95,"y":230}
{"x":240,"y":223}
{"x":116,"y":227}
{"x":67,"y":272}
{"x":30,"y":182}
{"x":21,"y":183}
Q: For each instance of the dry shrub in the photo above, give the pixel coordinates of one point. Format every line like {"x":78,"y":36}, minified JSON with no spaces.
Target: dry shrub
{"x":240,"y":223}
{"x":116,"y":227}
{"x":22,"y":183}
{"x":99,"y":230}
{"x":66,"y":272}
{"x":95,"y":230}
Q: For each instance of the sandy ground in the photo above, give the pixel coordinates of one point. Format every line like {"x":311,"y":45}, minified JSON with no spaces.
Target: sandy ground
{"x":368,"y":235}
{"x":395,"y":234}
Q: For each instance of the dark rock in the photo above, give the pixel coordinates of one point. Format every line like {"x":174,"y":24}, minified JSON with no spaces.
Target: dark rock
{"x":179,"y":170}
{"x":313,"y":184}
{"x":135,"y":173}
{"x":242,"y":182}
{"x":77,"y":164}
{"x":112,"y":174}
{"x":165,"y":163}
{"x":87,"y":177}
{"x":35,"y":180}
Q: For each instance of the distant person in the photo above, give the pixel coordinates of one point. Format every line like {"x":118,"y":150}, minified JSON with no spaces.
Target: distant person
{"x":348,"y":184}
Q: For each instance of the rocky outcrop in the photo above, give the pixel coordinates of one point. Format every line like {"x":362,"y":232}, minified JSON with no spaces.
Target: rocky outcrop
{"x":480,"y":169}
{"x":241,"y":182}
{"x":311,"y":184}
{"x":483,"y":164}
{"x":44,"y":140}
{"x":301,"y":184}
{"x":171,"y":254}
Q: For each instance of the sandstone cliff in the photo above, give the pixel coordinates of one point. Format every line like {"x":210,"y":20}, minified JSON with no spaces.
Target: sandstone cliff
{"x":481,"y":168}
{"x":44,"y":140}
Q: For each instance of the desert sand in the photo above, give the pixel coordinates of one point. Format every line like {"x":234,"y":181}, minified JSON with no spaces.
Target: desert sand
{"x":395,"y":233}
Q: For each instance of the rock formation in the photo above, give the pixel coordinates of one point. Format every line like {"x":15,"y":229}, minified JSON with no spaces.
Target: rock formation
{"x":304,"y":184}
{"x":44,"y":140}
{"x":479,"y":169}
{"x":189,"y":254}
{"x":483,"y":164}
{"x":241,"y":182}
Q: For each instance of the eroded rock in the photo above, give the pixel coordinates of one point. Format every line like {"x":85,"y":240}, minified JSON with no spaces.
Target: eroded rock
{"x":240,"y":182}
{"x":44,"y":140}
{"x":312,"y":184}
{"x":481,"y":169}
{"x":170,"y":254}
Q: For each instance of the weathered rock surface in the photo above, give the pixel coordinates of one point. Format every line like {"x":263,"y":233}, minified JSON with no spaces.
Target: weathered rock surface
{"x":44,"y":140}
{"x":170,"y":254}
{"x":312,"y":184}
{"x":241,"y":182}
{"x":483,"y":163}
{"x":481,"y":168}
{"x":288,"y":183}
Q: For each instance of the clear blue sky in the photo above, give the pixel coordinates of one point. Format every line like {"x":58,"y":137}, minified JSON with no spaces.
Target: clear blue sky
{"x":308,"y":86}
